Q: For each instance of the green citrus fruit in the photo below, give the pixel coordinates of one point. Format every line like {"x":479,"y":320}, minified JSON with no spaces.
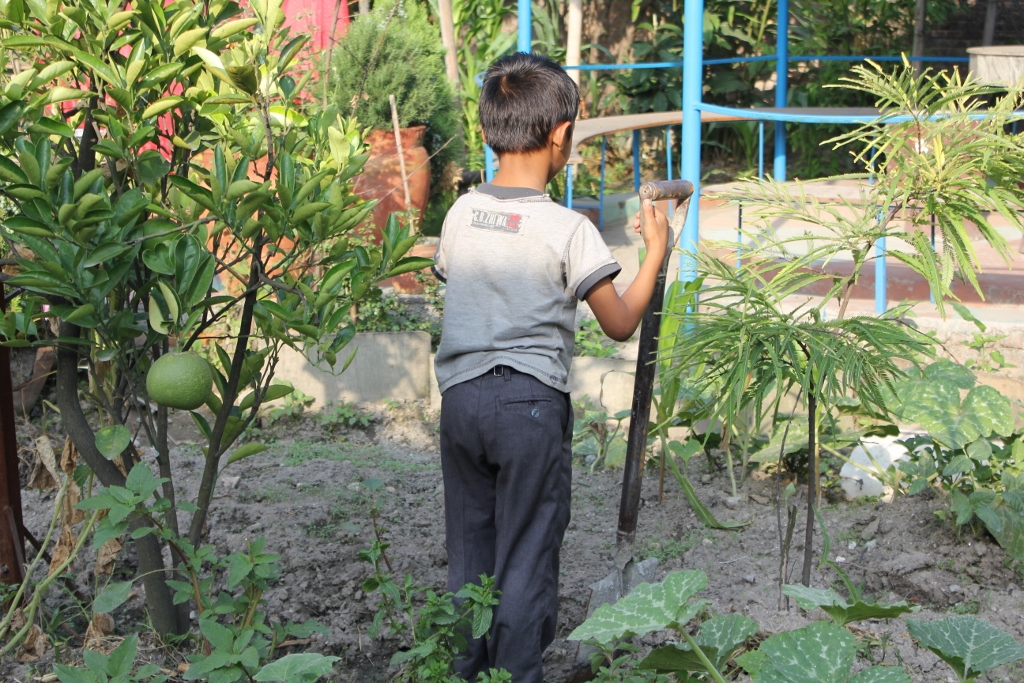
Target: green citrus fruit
{"x":180,"y":380}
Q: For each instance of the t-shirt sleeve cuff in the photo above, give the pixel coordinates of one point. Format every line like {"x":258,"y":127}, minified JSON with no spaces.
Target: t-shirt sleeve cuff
{"x":608,"y":270}
{"x":437,"y":274}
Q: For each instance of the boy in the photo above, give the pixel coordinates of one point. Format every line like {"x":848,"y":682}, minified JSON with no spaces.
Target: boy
{"x":516,"y":264}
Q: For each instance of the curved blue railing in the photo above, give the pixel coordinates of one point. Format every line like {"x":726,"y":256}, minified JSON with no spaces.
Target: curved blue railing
{"x":763,"y":58}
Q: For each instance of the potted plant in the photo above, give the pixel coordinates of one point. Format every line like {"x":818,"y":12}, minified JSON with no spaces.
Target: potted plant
{"x":396,"y":50}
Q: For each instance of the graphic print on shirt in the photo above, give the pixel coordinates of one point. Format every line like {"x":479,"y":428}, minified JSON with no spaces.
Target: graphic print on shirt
{"x":496,"y":220}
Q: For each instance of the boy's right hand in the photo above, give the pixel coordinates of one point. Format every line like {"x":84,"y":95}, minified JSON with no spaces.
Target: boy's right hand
{"x":655,"y":227}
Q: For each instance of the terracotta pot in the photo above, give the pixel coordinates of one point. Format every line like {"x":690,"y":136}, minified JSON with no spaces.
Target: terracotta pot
{"x":381,"y":178}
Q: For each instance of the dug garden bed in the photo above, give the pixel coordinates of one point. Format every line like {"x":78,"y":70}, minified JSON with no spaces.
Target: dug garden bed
{"x":311,"y":494}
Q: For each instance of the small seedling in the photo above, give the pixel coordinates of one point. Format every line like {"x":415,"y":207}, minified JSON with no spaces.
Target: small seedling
{"x":346,"y":415}
{"x":592,"y":341}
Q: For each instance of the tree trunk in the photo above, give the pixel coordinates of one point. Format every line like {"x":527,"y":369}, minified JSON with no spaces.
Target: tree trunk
{"x":150,"y":553}
{"x":991,"y":12}
{"x":451,"y":63}
{"x":920,"y":19}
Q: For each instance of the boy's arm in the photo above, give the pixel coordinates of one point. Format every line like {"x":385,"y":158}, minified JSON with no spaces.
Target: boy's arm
{"x":620,"y":315}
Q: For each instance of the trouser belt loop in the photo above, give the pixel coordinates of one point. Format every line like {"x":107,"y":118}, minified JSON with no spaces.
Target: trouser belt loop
{"x":502,"y":371}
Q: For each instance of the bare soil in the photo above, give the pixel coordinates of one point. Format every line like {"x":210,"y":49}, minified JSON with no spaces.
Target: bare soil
{"x":306,"y":496}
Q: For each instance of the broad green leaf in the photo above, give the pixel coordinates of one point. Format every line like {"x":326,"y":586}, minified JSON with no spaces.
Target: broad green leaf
{"x":70,"y":674}
{"x":841,"y":611}
{"x":650,"y":607}
{"x":882,"y":674}
{"x":818,"y":653}
{"x":946,"y":371}
{"x":296,"y":667}
{"x":1009,"y":533}
{"x":112,"y":597}
{"x":725,"y":633}
{"x":111,"y":441}
{"x":676,"y":658}
{"x":990,"y":409}
{"x":968,"y":644}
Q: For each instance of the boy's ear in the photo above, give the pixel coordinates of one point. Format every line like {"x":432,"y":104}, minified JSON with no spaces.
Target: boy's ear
{"x":561,"y":134}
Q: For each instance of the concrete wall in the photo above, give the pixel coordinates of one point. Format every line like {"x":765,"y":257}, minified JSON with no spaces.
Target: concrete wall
{"x":388,"y":365}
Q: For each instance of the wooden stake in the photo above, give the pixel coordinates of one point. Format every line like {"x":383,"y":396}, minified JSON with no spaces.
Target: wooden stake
{"x":401,"y":153}
{"x":574,"y":28}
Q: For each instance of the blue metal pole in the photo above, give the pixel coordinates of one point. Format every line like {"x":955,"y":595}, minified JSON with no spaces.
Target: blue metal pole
{"x":881,"y":294}
{"x":760,"y":150}
{"x":525,"y":26}
{"x":600,"y":199}
{"x":568,"y":186}
{"x":781,"y":86}
{"x":668,"y":164}
{"x":693,"y":77}
{"x":636,"y":160}
{"x":488,"y":163}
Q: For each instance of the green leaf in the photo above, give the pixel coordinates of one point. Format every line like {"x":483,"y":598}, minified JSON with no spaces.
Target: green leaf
{"x":296,"y":667}
{"x":112,"y":597}
{"x":47,"y":126}
{"x":122,"y":659}
{"x":882,"y":674}
{"x":408,"y":265}
{"x":990,"y":410}
{"x":677,"y":657}
{"x":818,"y":653}
{"x":245,"y":451}
{"x":188,"y":39}
{"x":968,"y":644}
{"x":162,"y":105}
{"x":156,"y":317}
{"x":839,"y":609}
{"x":152,"y":167}
{"x":650,"y":607}
{"x":70,"y":674}
{"x":1009,"y":533}
{"x":141,"y":481}
{"x":725,"y":633}
{"x":111,"y":441}
{"x":9,"y":115}
{"x":104,"y":253}
{"x":947,"y":372}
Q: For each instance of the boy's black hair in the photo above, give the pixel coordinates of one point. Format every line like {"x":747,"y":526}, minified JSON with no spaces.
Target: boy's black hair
{"x":523,"y":98}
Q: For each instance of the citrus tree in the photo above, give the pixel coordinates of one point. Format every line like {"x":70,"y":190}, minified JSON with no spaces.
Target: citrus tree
{"x":168,"y":195}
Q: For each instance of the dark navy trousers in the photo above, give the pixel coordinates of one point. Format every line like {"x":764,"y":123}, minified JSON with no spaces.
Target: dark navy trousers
{"x":506,"y":458}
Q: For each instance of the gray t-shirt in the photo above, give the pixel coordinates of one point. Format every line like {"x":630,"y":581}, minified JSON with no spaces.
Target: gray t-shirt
{"x":515,"y":264}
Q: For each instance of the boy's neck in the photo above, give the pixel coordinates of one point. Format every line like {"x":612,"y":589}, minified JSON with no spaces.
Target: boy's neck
{"x":531,"y":170}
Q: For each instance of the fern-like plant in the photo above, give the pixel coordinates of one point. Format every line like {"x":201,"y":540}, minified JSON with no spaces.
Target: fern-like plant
{"x":936,"y":155}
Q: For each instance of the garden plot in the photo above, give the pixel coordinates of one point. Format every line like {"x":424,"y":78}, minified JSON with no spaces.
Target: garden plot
{"x":307,"y":495}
